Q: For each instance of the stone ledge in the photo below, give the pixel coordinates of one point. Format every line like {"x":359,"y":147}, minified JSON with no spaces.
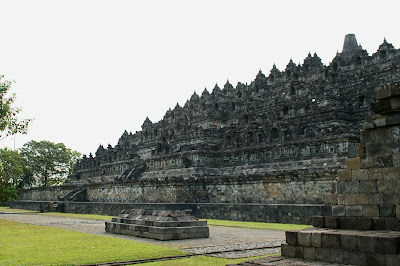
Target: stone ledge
{"x":380,"y":242}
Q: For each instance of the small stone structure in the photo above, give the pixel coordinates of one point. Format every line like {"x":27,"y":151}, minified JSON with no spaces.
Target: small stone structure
{"x":362,"y":222}
{"x":160,"y":225}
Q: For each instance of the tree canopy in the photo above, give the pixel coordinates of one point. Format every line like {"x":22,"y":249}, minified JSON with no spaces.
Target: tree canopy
{"x":13,"y":174}
{"x":9,"y":122}
{"x":50,"y":163}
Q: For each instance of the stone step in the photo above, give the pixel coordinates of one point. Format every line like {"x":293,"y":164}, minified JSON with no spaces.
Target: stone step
{"x":357,"y":223}
{"x":343,"y":246}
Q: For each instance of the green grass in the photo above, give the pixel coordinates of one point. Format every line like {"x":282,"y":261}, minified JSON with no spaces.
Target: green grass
{"x":81,"y":216}
{"x":254,"y":225}
{"x":8,"y":209}
{"x":203,"y":261}
{"x":23,"y":244}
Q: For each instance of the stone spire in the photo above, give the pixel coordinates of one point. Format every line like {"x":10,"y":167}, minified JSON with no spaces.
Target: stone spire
{"x":350,"y":44}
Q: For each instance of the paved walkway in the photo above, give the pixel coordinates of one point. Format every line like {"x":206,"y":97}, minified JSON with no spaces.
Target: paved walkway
{"x":219,"y":235}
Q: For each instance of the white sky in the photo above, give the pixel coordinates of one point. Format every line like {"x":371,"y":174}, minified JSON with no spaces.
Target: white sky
{"x":88,"y":70}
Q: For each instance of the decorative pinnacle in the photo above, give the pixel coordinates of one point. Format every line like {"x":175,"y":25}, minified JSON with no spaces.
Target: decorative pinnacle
{"x":350,"y":43}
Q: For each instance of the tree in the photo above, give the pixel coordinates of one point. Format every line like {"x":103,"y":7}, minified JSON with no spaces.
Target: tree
{"x":49,"y":163}
{"x":9,"y":122}
{"x":14,"y":174}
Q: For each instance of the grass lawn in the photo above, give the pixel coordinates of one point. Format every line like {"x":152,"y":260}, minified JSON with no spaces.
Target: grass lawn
{"x":82,"y":216}
{"x":255,"y":225}
{"x":23,"y":244}
{"x":8,"y":209}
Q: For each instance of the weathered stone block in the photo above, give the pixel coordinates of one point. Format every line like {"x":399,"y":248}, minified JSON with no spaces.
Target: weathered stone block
{"x":299,"y":252}
{"x":375,"y":259}
{"x":387,"y":210}
{"x":353,"y":163}
{"x":375,"y":173}
{"x":359,"y":199}
{"x":339,"y":256}
{"x":316,"y":239}
{"x":332,"y":222}
{"x":326,"y":210}
{"x":304,"y":238}
{"x":368,"y":186}
{"x":396,"y":159}
{"x":349,"y":241}
{"x":365,"y":243}
{"x":385,"y":185}
{"x":344,"y":199}
{"x":357,"y":258}
{"x":391,"y":173}
{"x":392,"y":224}
{"x":330,"y":199}
{"x":382,"y":92}
{"x":318,"y":221}
{"x":366,"y":162}
{"x":370,"y":210}
{"x":355,"y":223}
{"x":291,"y":237}
{"x":398,"y":211}
{"x":360,"y":150}
{"x":359,"y":174}
{"x":322,"y":254}
{"x":392,"y":259}
{"x":387,"y":245}
{"x":381,"y":161}
{"x":344,"y":175}
{"x":352,"y":187}
{"x":330,"y":240}
{"x":338,"y":210}
{"x":391,"y":199}
{"x":354,"y":210}
{"x":309,"y":253}
{"x":288,"y":250}
{"x":375,"y":198}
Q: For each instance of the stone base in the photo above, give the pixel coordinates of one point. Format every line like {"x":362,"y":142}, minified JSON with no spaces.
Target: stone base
{"x":344,"y":246}
{"x":160,"y":225}
{"x":357,"y":223}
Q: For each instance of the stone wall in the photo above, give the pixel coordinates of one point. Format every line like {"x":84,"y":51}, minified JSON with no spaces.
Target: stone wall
{"x":274,"y":213}
{"x":305,"y":188}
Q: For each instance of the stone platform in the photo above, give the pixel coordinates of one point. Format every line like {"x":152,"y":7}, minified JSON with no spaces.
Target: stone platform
{"x":344,"y":246}
{"x":160,"y":225}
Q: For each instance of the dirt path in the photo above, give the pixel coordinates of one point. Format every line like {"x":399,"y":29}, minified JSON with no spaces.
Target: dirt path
{"x":219,"y":235}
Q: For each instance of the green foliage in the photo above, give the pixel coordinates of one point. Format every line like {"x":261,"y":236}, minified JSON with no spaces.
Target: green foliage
{"x":23,"y":244}
{"x":50,"y":163}
{"x":13,"y":174}
{"x":255,"y":225}
{"x":9,"y":122}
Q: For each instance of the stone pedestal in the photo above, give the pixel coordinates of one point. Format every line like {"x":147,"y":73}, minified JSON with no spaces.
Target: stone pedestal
{"x":158,"y":224}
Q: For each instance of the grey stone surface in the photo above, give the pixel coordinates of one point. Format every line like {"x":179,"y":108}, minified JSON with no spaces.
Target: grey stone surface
{"x":158,"y":224}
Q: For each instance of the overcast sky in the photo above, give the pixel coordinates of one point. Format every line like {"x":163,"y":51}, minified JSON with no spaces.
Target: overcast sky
{"x":88,"y":70}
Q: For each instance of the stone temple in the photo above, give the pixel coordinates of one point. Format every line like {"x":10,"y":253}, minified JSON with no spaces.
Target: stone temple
{"x":264,"y":151}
